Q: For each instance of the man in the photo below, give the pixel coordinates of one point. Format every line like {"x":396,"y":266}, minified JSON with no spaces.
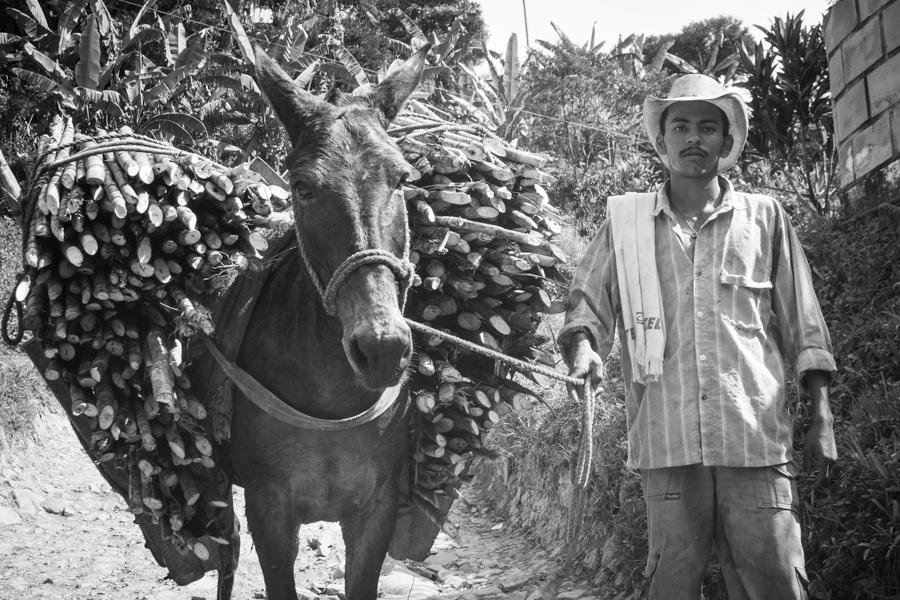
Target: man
{"x":710,"y":299}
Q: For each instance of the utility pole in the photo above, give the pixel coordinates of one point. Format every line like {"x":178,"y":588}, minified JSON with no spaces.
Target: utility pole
{"x":525,"y":14}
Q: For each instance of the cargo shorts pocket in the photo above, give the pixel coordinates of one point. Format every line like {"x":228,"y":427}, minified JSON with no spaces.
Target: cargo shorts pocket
{"x":663,"y":484}
{"x":775,"y":487}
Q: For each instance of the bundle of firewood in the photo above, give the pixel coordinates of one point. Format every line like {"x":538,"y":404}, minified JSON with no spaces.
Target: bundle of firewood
{"x":124,"y":235}
{"x":483,"y":242}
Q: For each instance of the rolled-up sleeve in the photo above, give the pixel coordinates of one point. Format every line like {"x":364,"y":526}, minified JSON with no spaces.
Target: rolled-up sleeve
{"x":804,"y":335}
{"x":593,"y":298}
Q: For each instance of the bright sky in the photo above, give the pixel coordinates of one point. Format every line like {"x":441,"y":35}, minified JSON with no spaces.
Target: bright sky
{"x":623,"y":17}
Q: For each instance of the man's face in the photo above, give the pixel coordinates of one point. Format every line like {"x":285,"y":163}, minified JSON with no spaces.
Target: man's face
{"x":694,"y":139}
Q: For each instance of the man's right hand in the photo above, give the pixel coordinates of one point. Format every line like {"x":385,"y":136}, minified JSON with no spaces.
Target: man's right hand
{"x":583,"y":361}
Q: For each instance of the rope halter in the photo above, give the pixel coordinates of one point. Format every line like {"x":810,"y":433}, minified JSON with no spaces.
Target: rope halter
{"x":401,"y":267}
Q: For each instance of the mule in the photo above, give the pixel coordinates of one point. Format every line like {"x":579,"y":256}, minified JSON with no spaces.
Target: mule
{"x":334,"y":357}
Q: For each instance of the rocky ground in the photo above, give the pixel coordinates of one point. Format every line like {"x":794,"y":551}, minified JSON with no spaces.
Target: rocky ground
{"x":64,"y":535}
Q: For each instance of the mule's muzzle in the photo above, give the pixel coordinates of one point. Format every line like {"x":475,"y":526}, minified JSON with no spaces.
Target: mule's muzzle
{"x":379,"y":352}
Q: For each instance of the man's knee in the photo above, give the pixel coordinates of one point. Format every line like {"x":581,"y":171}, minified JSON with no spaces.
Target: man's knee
{"x":680,"y":509}
{"x":759,"y":525}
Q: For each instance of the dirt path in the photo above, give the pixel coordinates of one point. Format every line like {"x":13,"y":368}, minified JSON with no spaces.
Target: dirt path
{"x":64,"y":535}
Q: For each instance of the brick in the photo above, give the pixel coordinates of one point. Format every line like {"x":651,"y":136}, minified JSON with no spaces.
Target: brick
{"x":867,"y":8}
{"x":839,"y":21}
{"x":861,"y":49}
{"x":836,"y":73}
{"x":872,"y":146}
{"x":845,"y":163}
{"x":890,"y":23}
{"x":851,"y":110}
{"x":884,"y":85}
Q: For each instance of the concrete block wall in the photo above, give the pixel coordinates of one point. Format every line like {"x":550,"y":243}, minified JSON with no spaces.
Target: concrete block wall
{"x":862,"y":38}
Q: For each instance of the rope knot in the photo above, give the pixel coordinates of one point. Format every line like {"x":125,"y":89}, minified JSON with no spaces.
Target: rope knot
{"x":402,"y":269}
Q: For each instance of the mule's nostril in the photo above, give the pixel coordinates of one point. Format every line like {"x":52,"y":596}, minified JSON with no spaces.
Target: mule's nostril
{"x":357,"y":356}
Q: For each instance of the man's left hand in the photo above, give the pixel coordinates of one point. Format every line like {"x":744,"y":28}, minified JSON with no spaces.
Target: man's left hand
{"x":820,"y":449}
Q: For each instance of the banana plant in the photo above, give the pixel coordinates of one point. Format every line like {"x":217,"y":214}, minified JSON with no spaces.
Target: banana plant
{"x":498,"y":102}
{"x":722,"y":63}
{"x":101,"y":72}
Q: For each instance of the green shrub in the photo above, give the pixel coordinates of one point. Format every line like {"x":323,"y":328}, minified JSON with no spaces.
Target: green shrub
{"x":852,"y":531}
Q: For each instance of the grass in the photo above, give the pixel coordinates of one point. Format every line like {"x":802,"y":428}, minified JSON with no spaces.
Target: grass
{"x":23,"y":394}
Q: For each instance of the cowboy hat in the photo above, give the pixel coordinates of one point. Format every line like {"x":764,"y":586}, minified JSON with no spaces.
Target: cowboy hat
{"x":704,"y":88}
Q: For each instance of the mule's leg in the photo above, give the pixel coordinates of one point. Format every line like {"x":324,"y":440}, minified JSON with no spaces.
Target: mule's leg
{"x":274,"y":528}
{"x":230,"y":555}
{"x":367,"y":535}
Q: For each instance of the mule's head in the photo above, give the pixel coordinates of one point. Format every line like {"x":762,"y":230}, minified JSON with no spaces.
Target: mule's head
{"x":345,"y":173}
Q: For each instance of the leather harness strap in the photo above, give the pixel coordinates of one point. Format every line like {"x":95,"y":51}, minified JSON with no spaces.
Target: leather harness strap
{"x":281,"y":410}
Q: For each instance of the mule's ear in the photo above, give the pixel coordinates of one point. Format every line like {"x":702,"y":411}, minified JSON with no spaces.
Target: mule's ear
{"x":296,"y":108}
{"x":390,"y":94}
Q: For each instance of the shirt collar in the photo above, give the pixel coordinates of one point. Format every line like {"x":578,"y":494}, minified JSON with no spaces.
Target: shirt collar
{"x":729,"y":201}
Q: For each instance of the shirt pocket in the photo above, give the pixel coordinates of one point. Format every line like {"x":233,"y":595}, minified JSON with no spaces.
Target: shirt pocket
{"x":745,"y":289}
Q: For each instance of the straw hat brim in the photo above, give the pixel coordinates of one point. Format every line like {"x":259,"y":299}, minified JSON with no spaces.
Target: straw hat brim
{"x":730,"y":103}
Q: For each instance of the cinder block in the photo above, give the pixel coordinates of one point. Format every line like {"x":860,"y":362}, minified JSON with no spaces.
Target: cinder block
{"x":839,"y":21}
{"x":845,"y":162}
{"x":867,"y":8}
{"x":895,"y":128}
{"x":836,"y":73}
{"x":870,"y":191}
{"x":851,"y":110}
{"x":884,"y":85}
{"x":890,"y":22}
{"x":861,"y":49}
{"x":872,"y":146}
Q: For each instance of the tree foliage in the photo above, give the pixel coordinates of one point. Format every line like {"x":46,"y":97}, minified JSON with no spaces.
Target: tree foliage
{"x":590,"y":119}
{"x":791,"y":122}
{"x":376,"y":31}
{"x":709,"y":46}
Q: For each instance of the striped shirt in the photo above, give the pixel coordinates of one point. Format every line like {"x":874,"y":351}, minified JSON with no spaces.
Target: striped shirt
{"x":734,"y":314}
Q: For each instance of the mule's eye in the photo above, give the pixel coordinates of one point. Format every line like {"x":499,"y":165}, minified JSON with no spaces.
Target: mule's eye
{"x":302,"y":192}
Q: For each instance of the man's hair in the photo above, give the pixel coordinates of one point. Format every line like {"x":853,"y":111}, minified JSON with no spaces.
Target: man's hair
{"x":665,"y":113}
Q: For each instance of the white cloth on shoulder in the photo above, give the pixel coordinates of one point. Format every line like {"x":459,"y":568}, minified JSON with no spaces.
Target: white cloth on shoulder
{"x":633,"y":227}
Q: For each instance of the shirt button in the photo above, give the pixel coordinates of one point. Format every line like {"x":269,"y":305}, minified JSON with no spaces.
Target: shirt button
{"x":703,"y":397}
{"x":699,"y":273}
{"x":702,"y":357}
{"x":699,"y":313}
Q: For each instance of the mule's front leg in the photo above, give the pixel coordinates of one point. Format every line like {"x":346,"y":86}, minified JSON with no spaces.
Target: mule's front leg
{"x":367,"y":535}
{"x":274,"y":528}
